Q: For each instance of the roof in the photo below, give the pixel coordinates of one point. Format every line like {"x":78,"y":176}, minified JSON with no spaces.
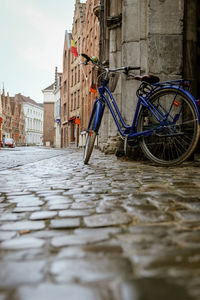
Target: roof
{"x":49,"y":88}
{"x":25,"y":99}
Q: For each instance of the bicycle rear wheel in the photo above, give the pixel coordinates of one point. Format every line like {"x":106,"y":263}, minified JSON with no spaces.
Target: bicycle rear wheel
{"x":173,"y":143}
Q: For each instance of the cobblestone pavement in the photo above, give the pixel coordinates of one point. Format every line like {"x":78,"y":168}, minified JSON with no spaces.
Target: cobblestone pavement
{"x":15,"y":157}
{"x":112,"y":230}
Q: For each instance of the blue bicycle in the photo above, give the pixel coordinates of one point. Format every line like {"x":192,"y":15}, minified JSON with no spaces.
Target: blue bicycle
{"x":166,"y":123}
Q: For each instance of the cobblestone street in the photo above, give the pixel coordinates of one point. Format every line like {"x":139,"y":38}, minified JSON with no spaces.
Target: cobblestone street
{"x":111,"y":230}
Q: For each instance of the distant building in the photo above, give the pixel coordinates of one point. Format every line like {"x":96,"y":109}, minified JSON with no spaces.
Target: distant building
{"x":49,"y":102}
{"x":33,"y":114}
{"x":57,"y":104}
{"x":65,"y":85}
{"x":18,"y":121}
{"x":71,"y":82}
{"x":90,"y":46}
{"x":6,"y":116}
{"x":22,"y":119}
{"x":1,"y":119}
{"x":76,"y":97}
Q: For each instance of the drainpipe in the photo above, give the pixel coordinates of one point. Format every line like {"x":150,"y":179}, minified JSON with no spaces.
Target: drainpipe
{"x":101,"y":32}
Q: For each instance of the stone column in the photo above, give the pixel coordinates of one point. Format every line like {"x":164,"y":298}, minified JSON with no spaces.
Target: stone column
{"x":190,"y":44}
{"x":108,"y":136}
{"x":165,"y":45}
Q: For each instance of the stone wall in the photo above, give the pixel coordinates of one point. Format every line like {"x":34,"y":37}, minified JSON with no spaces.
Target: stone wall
{"x":149,"y":36}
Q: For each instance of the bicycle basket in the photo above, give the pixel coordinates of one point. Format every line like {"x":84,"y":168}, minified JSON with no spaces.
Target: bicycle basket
{"x":113,"y":79}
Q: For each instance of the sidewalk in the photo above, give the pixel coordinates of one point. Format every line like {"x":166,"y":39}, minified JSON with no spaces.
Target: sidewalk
{"x":113,"y":230}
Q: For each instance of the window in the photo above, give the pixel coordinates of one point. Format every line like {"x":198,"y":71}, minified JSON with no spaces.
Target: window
{"x":78,"y":100}
{"x":79,"y":73}
{"x":72,"y":78}
{"x":75,"y":25}
{"x":65,"y":61}
{"x":75,"y":100}
{"x":65,"y":109}
{"x":83,"y":45}
{"x":72,"y":102}
{"x":79,"y":45}
{"x":75,"y":79}
{"x":65,"y":87}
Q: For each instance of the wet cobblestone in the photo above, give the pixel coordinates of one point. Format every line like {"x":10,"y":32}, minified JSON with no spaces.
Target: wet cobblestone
{"x":111,"y":230}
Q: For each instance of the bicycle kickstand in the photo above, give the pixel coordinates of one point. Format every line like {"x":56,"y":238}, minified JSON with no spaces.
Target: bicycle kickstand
{"x":120,"y":153}
{"x":125,"y":144}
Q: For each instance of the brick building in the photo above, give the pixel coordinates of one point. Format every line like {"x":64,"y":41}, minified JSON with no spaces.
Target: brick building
{"x":71,"y":81}
{"x":18,"y":121}
{"x":49,"y":130}
{"x":76,"y":98}
{"x":65,"y":86}
{"x":159,"y":36}
{"x":75,"y":76}
{"x":1,"y":119}
{"x":57,"y":105}
{"x":13,"y":122}
{"x":7,"y":116}
{"x":90,"y":46}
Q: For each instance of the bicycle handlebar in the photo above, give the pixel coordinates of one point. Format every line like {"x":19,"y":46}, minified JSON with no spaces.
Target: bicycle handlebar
{"x":86,"y":57}
{"x":125,"y":69}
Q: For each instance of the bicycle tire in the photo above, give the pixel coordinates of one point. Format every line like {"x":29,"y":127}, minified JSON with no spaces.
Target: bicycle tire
{"x":90,"y":140}
{"x":172,"y":144}
{"x":91,"y":136}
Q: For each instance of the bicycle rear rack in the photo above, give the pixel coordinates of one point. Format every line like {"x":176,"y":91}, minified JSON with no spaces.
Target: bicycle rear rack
{"x":146,"y":89}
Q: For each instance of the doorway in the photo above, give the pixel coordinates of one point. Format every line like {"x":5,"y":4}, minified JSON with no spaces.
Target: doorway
{"x":191,"y":61}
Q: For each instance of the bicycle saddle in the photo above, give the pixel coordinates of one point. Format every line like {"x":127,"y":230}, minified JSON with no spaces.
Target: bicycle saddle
{"x":148,"y":78}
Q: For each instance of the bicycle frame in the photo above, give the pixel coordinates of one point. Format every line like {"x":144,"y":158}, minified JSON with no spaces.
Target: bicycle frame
{"x":131,"y":131}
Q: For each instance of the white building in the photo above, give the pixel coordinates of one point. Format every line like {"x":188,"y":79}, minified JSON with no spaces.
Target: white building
{"x":52,"y":102}
{"x":34,"y":115}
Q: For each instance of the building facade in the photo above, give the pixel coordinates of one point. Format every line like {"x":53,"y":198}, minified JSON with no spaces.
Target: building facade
{"x":12,"y":119}
{"x":33,"y":115}
{"x":18,"y":121}
{"x":57,"y":105}
{"x":90,"y":46}
{"x":76,"y":98}
{"x":22,"y":119}
{"x":65,"y":87}
{"x":48,"y":124}
{"x":6,"y":116}
{"x":1,"y":119}
{"x":158,"y":36}
{"x":71,"y":81}
{"x":75,"y":78}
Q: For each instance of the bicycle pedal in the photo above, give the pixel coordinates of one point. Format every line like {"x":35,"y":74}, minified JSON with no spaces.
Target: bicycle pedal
{"x":120,"y":153}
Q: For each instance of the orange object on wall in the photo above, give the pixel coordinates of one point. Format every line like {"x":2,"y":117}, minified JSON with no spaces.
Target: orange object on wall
{"x":77,"y":121}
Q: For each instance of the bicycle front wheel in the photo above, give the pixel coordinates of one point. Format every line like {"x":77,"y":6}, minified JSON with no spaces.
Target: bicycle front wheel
{"x":90,"y":140}
{"x":174,"y":140}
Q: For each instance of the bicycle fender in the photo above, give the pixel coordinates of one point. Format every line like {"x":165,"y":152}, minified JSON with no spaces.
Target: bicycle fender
{"x":99,"y":114}
{"x":194,"y":101}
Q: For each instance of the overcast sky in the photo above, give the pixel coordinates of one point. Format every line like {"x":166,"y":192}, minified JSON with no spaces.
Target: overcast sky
{"x":31,"y":43}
